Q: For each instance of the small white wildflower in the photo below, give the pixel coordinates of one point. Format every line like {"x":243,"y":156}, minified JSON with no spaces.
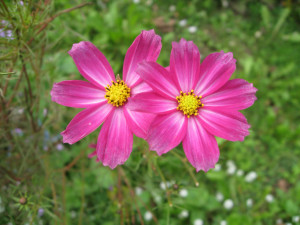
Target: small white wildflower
{"x":157,"y":198}
{"x":73,"y":214}
{"x":225,"y":3}
{"x":183,"y":214}
{"x":182,"y":23}
{"x":59,"y":147}
{"x":148,"y":216}
{"x":257,"y":34}
{"x":217,"y":167}
{"x":192,"y":29}
{"x":219,"y":196}
{"x":228,"y":204}
{"x":18,"y":131}
{"x":296,"y":219}
{"x":269,"y":198}
{"x":136,"y":1}
{"x":165,"y":185}
{"x":250,"y":177}
{"x":230,"y":163}
{"x":183,"y":193}
{"x":223,"y":222}
{"x":249,"y":202}
{"x":198,"y":222}
{"x":231,"y":168}
{"x":20,"y":111}
{"x":138,"y":190}
{"x":149,"y":2}
{"x":172,"y":8}
{"x":41,"y":212}
{"x":45,"y":112}
{"x":240,"y":173}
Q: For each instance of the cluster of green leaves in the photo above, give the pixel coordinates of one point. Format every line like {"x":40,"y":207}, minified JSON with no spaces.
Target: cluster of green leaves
{"x":70,"y":188}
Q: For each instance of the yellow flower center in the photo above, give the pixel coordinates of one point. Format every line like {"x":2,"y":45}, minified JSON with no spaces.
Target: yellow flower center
{"x":117,"y":93}
{"x":189,"y":103}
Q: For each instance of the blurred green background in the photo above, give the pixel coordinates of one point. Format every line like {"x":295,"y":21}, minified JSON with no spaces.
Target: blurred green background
{"x":43,"y":181}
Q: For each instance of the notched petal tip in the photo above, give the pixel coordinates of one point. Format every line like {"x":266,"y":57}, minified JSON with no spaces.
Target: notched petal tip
{"x":112,"y":165}
{"x":150,"y":32}
{"x":208,"y":167}
{"x":226,"y":58}
{"x":77,"y":46}
{"x":66,"y":140}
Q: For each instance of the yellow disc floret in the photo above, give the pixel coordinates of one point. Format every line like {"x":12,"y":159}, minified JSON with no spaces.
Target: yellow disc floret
{"x":189,"y":103}
{"x":117,"y":93}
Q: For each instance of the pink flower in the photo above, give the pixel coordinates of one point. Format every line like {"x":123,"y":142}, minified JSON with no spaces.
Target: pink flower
{"x":105,"y":98}
{"x":194,"y":103}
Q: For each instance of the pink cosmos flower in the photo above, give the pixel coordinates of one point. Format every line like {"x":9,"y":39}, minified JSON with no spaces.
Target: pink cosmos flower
{"x":105,"y":98}
{"x":194,"y":103}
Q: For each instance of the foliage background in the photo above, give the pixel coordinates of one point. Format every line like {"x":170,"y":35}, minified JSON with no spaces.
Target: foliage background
{"x":62,"y":186}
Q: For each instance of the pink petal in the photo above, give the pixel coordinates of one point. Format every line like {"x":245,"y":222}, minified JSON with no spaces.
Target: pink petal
{"x":215,"y":71}
{"x":94,"y":153}
{"x":140,"y":88}
{"x":115,"y":140}
{"x":77,"y":94}
{"x":92,"y":64}
{"x":236,"y":94}
{"x":230,"y":125}
{"x":147,"y":47}
{"x":158,"y":78}
{"x":200,"y":147}
{"x":138,"y":122}
{"x":185,"y":64}
{"x":166,"y":132}
{"x":152,"y":103}
{"x":92,"y":145}
{"x":86,"y":122}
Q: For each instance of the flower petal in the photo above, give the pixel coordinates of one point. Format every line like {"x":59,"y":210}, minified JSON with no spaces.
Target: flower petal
{"x":166,"y":132}
{"x":138,"y":122}
{"x":231,"y":125}
{"x":200,"y":147}
{"x":77,"y":94}
{"x":215,"y":71}
{"x":236,"y":94}
{"x":152,"y":103}
{"x":115,"y":140}
{"x":185,"y":64}
{"x":158,"y":78}
{"x":147,"y":47}
{"x":86,"y":122}
{"x":140,"y":88}
{"x":92,"y":64}
{"x":93,"y":154}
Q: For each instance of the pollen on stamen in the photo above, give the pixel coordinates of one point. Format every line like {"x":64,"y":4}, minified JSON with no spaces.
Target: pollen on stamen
{"x":117,"y":93}
{"x":189,"y":103}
